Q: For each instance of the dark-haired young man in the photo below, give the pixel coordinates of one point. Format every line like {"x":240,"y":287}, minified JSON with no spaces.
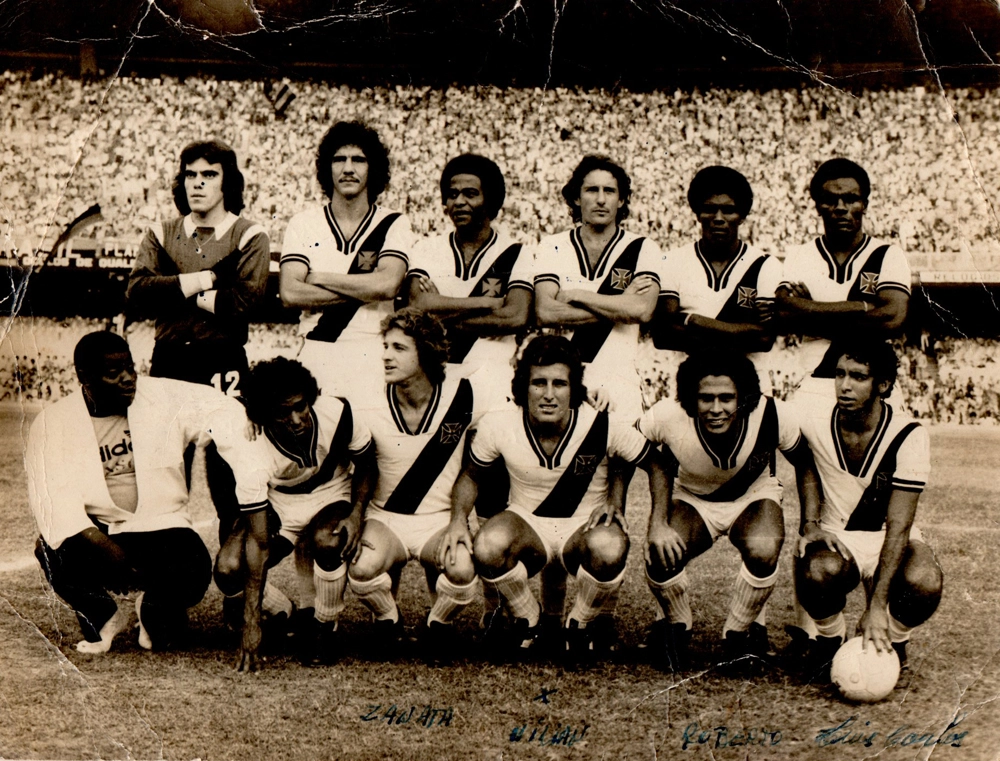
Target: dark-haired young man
{"x":310,"y":443}
{"x":871,"y":465}
{"x":715,"y":290}
{"x":199,"y":276}
{"x":566,"y":504}
{"x":720,"y":437}
{"x":475,"y":279}
{"x":343,"y":262}
{"x":418,"y":420}
{"x":597,"y":282}
{"x":842,"y":284}
{"x":106,"y":484}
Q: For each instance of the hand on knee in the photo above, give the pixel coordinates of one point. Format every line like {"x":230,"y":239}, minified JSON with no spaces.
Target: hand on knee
{"x":462,"y":571}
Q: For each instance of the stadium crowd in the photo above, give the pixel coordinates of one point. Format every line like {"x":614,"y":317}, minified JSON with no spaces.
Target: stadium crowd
{"x":948,"y":380}
{"x":69,"y":143}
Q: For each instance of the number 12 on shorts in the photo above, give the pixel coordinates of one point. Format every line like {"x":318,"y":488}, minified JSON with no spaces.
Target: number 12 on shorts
{"x":232,"y":383}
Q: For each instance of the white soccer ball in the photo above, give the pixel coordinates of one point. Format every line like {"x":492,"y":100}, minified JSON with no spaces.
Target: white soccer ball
{"x":864,"y":676}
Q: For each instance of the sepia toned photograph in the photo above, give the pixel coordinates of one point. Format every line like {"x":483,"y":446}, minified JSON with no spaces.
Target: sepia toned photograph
{"x":511,"y":380}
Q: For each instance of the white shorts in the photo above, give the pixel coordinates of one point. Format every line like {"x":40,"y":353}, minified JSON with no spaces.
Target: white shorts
{"x":346,"y":367}
{"x":719,"y":517}
{"x":554,"y":532}
{"x":413,"y":531}
{"x":295,"y":514}
{"x":866,"y":546}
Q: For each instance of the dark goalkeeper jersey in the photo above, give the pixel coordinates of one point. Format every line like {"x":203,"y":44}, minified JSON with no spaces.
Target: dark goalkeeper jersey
{"x":237,"y":251}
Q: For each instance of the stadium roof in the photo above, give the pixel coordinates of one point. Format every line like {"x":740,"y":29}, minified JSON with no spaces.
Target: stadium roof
{"x":640,"y":44}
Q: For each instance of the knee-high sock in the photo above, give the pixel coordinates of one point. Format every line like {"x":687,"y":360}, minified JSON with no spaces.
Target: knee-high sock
{"x":275,"y":601}
{"x":592,"y":596}
{"x":554,"y":590}
{"x":377,"y":597}
{"x":513,"y":587}
{"x":834,"y":626}
{"x":330,"y":587}
{"x":748,"y":600}
{"x":451,"y":599}
{"x":672,"y":596}
{"x":306,"y":585}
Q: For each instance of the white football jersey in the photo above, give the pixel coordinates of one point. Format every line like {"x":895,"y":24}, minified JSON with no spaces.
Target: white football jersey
{"x":308,"y":482}
{"x":704,"y":471}
{"x":314,"y":238}
{"x":534,"y":474}
{"x":417,"y":469}
{"x":562,"y":259}
{"x":500,"y":266}
{"x":849,"y":498}
{"x":752,"y":277}
{"x":874,"y":266}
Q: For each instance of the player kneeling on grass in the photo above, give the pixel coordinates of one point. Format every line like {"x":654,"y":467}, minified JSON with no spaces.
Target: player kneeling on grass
{"x":309,"y":443}
{"x":720,"y":437}
{"x":563,"y":506}
{"x":418,"y":420}
{"x":106,"y":484}
{"x":859,"y":502}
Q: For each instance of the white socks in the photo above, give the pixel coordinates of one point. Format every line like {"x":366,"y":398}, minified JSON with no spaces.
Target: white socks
{"x":451,"y":599}
{"x":329,"y":597}
{"x":377,"y":596}
{"x":513,"y":587}
{"x":593,"y":597}
{"x":748,"y":600}
{"x":672,"y":596}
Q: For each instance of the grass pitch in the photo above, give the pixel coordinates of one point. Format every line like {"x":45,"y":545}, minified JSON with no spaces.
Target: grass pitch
{"x":57,"y":703}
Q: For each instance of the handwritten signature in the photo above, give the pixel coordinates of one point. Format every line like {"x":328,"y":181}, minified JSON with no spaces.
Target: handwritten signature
{"x":852,"y":731}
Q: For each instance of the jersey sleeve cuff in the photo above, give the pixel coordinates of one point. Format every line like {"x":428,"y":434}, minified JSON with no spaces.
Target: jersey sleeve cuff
{"x":397,"y":254}
{"x":520,"y":284}
{"x":548,"y":277}
{"x":893,"y":287}
{"x":364,"y":450}
{"x":254,"y":507}
{"x":479,"y":461}
{"x":295,"y":258}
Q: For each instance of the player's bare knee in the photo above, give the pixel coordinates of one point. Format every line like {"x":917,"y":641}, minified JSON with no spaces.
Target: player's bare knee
{"x":327,"y":549}
{"x":922,"y":580}
{"x":760,"y":554}
{"x":822,"y":567}
{"x":491,"y":551}
{"x":462,"y":571}
{"x":606,"y":552}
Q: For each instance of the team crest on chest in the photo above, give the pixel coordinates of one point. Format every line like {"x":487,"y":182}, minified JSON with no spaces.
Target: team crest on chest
{"x":492,"y":286}
{"x":746,"y":297}
{"x":584,"y":464}
{"x":451,"y":432}
{"x":869,"y":282}
{"x":366,"y":260}
{"x":620,"y":278}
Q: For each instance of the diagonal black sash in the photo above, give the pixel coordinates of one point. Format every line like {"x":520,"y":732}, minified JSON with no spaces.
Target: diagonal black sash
{"x":873,"y":507}
{"x":761,"y":457}
{"x":336,"y":317}
{"x":336,"y":454}
{"x":588,"y":339}
{"x":414,"y":485}
{"x":742,"y":303}
{"x":461,"y":342}
{"x":828,"y":365}
{"x":572,"y":485}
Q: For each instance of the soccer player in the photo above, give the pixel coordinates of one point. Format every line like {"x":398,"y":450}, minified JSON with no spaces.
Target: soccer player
{"x":199,"y":276}
{"x":564,"y":507}
{"x":720,"y":437}
{"x":597,"y":282}
{"x":475,"y":279}
{"x":871,"y":465}
{"x":107,"y":488}
{"x":310,"y":443}
{"x":343,"y":263}
{"x":715,"y":287}
{"x":844,"y":283}
{"x":419,"y":423}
